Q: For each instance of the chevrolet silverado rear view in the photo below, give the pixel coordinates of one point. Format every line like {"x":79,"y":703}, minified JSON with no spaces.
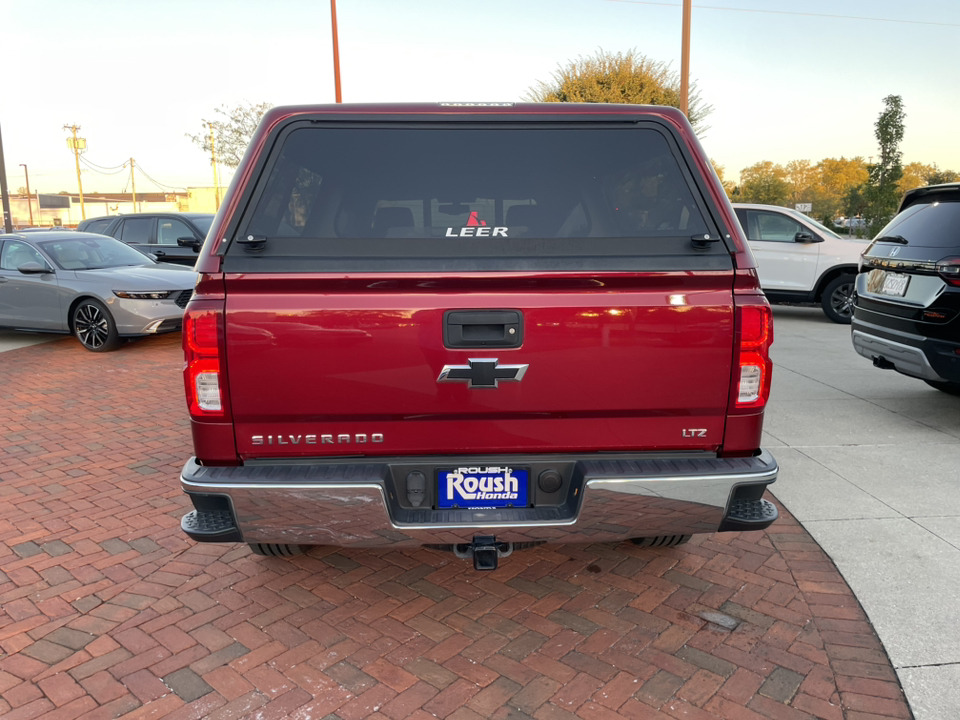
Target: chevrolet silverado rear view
{"x":475,"y":328}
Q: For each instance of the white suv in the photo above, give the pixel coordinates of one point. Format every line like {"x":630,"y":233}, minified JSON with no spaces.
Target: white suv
{"x":800,"y":260}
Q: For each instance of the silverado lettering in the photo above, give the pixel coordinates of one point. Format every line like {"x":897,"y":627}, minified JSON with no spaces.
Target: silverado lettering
{"x":359,"y":438}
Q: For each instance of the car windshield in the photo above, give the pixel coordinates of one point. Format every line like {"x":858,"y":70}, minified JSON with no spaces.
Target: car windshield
{"x":203,"y":223}
{"x":93,"y":253}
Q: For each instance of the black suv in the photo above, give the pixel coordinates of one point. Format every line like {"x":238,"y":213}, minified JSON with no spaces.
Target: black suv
{"x":907,"y":315}
{"x":172,"y":237}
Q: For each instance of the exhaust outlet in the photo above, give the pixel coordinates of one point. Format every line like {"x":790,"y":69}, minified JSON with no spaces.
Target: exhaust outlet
{"x":881,"y":362}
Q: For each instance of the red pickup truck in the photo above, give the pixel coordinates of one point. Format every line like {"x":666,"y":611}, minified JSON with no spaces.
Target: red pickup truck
{"x":475,"y":327}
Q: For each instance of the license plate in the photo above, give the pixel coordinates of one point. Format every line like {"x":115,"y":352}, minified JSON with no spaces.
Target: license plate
{"x":475,"y":488}
{"x":895,"y":284}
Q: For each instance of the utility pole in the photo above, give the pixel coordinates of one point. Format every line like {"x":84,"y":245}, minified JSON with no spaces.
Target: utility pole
{"x":213,"y":159}
{"x":133,"y":181}
{"x":336,"y":50}
{"x":76,"y":144}
{"x":26,"y":175}
{"x":7,"y":220}
{"x":685,"y":59}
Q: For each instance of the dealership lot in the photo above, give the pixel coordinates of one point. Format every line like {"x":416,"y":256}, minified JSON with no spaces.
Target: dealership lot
{"x":108,"y":610}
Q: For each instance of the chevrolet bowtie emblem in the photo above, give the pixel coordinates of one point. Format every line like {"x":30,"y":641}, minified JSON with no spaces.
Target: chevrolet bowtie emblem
{"x":482,"y":373}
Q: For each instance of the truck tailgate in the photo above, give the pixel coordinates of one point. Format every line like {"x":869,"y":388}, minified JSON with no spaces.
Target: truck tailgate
{"x":615,"y":361}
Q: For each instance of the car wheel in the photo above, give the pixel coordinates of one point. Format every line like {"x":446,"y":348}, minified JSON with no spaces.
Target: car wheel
{"x":94,"y":327}
{"x":837,"y":299}
{"x":951,"y":388}
{"x":275,"y":550}
{"x":661,"y":541}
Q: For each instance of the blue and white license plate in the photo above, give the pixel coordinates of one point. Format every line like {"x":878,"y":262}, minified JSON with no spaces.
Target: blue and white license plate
{"x":475,"y":488}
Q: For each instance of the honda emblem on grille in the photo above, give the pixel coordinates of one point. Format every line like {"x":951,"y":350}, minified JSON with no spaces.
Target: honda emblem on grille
{"x":894,"y":252}
{"x":482,"y":373}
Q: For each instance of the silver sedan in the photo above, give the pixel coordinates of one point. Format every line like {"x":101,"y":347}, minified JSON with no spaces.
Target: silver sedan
{"x":93,"y":286}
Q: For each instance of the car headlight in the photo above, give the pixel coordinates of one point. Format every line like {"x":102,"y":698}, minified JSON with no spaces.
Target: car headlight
{"x":137,"y":295}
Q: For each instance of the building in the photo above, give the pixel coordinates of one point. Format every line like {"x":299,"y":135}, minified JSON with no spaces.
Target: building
{"x":63,"y":209}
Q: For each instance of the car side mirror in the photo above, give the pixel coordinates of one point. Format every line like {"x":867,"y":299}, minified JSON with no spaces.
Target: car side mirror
{"x":34,"y":268}
{"x":190,"y":243}
{"x":806,"y":237}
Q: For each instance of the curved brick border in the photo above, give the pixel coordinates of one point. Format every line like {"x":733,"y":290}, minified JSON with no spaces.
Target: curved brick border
{"x":107,"y":611}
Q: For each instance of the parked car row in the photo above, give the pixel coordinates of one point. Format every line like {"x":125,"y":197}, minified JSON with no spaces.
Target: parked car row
{"x":92,"y":286}
{"x":901,"y":290}
{"x":171,"y":237}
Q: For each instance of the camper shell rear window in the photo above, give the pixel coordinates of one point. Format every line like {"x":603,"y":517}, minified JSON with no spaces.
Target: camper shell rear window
{"x":472,"y":197}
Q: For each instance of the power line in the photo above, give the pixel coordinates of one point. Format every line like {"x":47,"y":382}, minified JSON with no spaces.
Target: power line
{"x":98,"y":171}
{"x":790,"y":12}
{"x":158,"y":184}
{"x":102,"y":167}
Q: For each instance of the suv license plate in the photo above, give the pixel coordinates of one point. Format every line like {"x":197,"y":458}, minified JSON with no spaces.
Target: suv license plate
{"x":895,"y":284}
{"x":481,"y":487}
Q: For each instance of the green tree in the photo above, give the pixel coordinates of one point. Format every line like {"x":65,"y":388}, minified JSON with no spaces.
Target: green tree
{"x":803,"y":179}
{"x":834,"y":177}
{"x":915,"y":175}
{"x":624,"y":77}
{"x":881,"y":193}
{"x":939,"y":176}
{"x":232,"y":132}
{"x":728,"y":185}
{"x":765,"y":183}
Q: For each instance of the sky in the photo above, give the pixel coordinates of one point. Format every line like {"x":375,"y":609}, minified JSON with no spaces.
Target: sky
{"x":795,"y":81}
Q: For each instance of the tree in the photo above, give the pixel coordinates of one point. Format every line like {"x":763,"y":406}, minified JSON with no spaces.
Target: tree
{"x":232,"y":133}
{"x":915,"y":175}
{"x":728,"y":185}
{"x":802,"y":178}
{"x":628,"y":77}
{"x":765,"y":183}
{"x":835,"y":178}
{"x":942,"y":176}
{"x":881,"y":193}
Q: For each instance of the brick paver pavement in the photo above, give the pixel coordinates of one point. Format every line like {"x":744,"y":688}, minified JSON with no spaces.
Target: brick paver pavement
{"x":108,"y":611}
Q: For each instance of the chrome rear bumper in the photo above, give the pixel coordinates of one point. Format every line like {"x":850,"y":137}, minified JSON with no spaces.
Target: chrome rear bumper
{"x":354,"y":504}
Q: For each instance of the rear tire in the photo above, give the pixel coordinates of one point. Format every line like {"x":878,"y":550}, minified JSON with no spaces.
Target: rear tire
{"x":276,"y":550}
{"x":661,"y":541}
{"x":837,"y":299}
{"x":951,"y":388}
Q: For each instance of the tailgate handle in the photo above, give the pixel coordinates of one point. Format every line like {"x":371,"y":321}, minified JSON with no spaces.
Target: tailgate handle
{"x":482,"y":328}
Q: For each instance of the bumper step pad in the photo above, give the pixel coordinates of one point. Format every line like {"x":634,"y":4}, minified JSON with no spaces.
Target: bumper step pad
{"x":749,"y":515}
{"x":210,"y":526}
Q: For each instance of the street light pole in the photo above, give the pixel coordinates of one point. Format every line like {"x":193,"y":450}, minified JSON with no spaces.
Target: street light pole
{"x":336,"y":50}
{"x":133,"y":181}
{"x":26,"y":175}
{"x":7,"y":220}
{"x":685,"y":59}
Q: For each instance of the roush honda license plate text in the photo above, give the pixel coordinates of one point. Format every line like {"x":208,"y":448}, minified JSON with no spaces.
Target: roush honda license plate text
{"x":474,"y":488}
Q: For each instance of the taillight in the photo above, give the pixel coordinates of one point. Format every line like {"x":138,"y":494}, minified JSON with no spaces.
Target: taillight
{"x":202,"y":335}
{"x":753,"y":356}
{"x":949,"y":270}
